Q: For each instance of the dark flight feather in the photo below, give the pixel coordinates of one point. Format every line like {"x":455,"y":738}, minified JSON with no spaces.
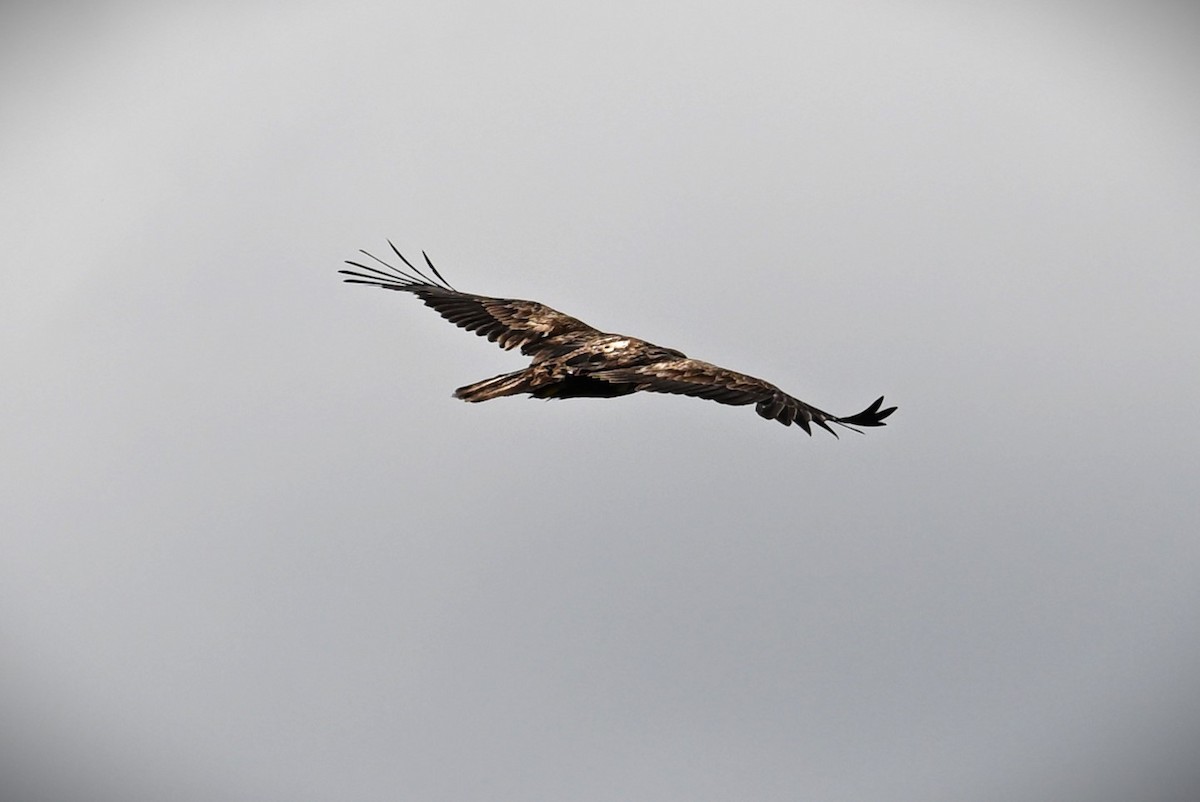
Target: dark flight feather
{"x":570,"y":359}
{"x":509,"y":323}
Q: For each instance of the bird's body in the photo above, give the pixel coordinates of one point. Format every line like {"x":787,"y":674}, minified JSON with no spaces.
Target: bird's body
{"x":570,"y":359}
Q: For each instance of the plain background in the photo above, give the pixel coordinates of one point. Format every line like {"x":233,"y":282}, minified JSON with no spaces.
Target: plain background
{"x":252,"y":549}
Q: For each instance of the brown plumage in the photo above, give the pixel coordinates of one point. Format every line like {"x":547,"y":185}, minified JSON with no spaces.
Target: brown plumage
{"x":570,"y":359}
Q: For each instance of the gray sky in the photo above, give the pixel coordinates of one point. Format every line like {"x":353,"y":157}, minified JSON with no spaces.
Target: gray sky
{"x":253,"y":550}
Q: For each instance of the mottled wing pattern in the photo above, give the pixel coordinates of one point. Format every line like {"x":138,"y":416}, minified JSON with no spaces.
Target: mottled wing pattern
{"x":508,"y":322}
{"x":703,"y":380}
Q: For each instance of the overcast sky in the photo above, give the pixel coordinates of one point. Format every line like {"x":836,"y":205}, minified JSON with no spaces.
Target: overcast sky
{"x":253,"y":550}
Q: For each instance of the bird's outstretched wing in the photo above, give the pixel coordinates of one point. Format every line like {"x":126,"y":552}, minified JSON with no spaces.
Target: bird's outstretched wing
{"x":508,"y":322}
{"x":703,"y":380}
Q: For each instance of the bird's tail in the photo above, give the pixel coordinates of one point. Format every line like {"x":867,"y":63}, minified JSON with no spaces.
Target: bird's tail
{"x":495,"y":387}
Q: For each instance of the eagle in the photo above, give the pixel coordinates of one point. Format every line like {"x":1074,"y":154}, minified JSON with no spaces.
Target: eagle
{"x":571,"y":359}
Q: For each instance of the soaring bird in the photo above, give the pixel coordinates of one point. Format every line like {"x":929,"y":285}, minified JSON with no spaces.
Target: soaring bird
{"x":570,"y":359}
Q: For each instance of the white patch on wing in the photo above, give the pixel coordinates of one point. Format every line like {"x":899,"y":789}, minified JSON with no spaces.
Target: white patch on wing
{"x":616,"y":345}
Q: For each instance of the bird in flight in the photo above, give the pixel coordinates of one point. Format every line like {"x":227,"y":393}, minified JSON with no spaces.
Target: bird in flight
{"x":570,"y":359}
